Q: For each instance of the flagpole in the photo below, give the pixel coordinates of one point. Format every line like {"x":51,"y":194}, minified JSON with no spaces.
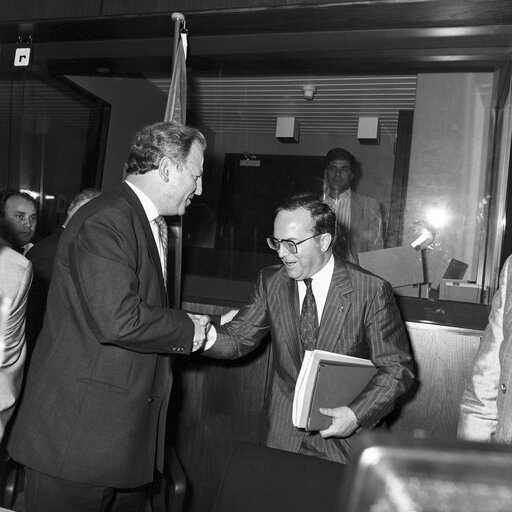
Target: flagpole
{"x":179,"y":20}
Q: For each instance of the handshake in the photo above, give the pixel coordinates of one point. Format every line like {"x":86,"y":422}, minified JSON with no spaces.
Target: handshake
{"x":202,"y":324}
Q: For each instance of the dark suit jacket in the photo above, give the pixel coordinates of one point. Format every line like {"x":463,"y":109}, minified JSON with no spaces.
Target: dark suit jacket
{"x":360,"y":318}
{"x":96,"y":397}
{"x":42,"y":256}
{"x":366,"y":231}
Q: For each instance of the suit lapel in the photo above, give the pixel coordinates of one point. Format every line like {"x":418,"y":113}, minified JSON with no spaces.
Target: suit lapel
{"x":135,"y":203}
{"x":337,"y":306}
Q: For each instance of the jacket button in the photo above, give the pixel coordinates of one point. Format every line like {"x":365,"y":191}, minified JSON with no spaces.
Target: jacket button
{"x":150,"y":400}
{"x":503,"y":388}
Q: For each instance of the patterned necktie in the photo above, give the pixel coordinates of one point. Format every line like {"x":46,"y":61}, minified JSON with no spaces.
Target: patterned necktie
{"x":162,"y":231}
{"x":308,"y":318}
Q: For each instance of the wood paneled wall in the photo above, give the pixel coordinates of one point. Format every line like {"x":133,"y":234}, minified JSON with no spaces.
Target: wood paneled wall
{"x":219,"y":403}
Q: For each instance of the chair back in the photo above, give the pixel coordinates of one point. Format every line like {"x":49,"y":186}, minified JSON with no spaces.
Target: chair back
{"x":258,"y":478}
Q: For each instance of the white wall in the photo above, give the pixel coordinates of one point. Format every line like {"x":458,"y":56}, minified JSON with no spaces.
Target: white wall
{"x":448,"y":166}
{"x":134,"y":103}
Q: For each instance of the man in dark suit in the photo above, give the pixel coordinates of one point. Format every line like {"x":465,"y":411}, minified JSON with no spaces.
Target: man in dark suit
{"x":42,"y":255}
{"x":360,"y":226}
{"x":91,"y":423}
{"x":355,"y":313}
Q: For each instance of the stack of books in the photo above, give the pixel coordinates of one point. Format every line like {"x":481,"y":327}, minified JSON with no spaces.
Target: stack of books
{"x":327,"y":379}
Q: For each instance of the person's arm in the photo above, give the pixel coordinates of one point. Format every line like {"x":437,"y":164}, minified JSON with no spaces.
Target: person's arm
{"x":104,"y":261}
{"x":478,"y":408}
{"x":376,"y":226}
{"x":390,"y":353}
{"x":13,"y":350}
{"x":245,"y":328}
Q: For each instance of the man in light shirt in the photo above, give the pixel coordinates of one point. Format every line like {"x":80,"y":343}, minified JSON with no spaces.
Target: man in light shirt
{"x":18,"y":219}
{"x":90,"y":429}
{"x":359,"y":222}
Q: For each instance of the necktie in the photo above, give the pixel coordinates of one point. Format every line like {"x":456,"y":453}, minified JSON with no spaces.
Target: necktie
{"x":162,"y":231}
{"x":308,"y":318}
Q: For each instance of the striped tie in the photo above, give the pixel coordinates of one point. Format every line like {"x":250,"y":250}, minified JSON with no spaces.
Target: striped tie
{"x":162,"y":231}
{"x":308,"y":318}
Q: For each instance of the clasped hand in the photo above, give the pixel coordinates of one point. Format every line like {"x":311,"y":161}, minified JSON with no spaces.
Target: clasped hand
{"x":201,"y":328}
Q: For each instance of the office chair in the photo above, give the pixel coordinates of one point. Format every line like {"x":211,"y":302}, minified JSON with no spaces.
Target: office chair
{"x":11,"y":474}
{"x":258,"y":478}
{"x":169,"y":489}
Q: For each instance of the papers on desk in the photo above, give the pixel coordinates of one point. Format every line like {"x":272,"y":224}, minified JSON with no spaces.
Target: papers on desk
{"x":327,"y":379}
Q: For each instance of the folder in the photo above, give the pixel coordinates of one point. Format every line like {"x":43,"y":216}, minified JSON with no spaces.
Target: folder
{"x":327,"y":379}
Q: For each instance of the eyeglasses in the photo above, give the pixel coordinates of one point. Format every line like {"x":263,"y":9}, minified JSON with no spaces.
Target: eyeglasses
{"x":291,"y":246}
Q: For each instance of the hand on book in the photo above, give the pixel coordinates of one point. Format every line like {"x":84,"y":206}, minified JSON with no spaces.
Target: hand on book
{"x":344,"y":422}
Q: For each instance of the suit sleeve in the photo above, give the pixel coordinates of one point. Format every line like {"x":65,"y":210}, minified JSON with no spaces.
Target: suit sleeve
{"x":376,"y":226}
{"x":110,"y":265}
{"x":13,"y":350}
{"x":245,"y":332}
{"x":390,"y":353}
{"x":478,"y":408}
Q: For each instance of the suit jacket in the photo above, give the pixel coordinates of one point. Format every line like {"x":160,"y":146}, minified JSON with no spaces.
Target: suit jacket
{"x":42,"y":256}
{"x":15,"y":279}
{"x":360,"y":318}
{"x":486,"y":405}
{"x":95,"y":404}
{"x":366,"y":228}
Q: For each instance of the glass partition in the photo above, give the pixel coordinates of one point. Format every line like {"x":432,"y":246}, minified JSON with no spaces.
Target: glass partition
{"x":435,"y":168}
{"x":53,"y":137}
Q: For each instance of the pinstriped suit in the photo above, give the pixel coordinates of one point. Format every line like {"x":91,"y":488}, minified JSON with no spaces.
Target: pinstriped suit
{"x":360,"y":318}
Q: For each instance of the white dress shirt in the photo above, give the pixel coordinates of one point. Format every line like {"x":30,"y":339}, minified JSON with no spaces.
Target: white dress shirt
{"x":151,"y":214}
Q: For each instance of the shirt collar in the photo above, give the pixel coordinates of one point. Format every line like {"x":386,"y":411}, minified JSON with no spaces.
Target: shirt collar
{"x":325,"y":273}
{"x":147,"y":204}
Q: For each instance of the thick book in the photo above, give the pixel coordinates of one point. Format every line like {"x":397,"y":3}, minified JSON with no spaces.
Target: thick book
{"x":327,"y":379}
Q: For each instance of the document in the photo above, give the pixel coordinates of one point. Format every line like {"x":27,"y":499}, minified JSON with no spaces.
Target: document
{"x":327,"y":379}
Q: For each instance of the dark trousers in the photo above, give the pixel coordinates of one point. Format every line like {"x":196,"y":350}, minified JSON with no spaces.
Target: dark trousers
{"x":45,"y":493}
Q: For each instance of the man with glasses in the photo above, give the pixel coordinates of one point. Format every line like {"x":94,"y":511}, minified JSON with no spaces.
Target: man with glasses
{"x":349,"y":311}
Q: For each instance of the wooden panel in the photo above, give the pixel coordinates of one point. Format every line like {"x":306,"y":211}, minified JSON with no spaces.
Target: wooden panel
{"x":445,"y":362}
{"x":46,"y":9}
{"x":215,"y":404}
{"x":218,"y":403}
{"x":112,"y":7}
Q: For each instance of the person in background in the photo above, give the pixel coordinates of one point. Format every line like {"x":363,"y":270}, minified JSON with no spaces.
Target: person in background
{"x":486,"y":405}
{"x":360,"y":226}
{"x":355,"y":314}
{"x":15,"y":279}
{"x":18,"y":219}
{"x":90,"y":428}
{"x":42,"y":255}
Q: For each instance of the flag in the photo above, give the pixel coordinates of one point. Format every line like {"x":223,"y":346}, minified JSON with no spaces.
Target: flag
{"x":176,"y":109}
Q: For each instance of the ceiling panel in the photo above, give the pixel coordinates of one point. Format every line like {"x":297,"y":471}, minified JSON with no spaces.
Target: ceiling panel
{"x":253,"y":104}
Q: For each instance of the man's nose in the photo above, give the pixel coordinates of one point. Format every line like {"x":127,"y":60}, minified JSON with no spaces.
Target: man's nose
{"x":199,"y":188}
{"x":282,"y":251}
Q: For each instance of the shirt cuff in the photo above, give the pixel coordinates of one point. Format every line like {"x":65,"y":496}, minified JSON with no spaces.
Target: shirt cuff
{"x":211,"y":338}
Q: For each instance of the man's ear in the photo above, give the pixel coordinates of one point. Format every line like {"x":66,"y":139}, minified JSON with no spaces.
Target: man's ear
{"x":325,"y":241}
{"x":163,"y":169}
{"x":166,"y":168}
